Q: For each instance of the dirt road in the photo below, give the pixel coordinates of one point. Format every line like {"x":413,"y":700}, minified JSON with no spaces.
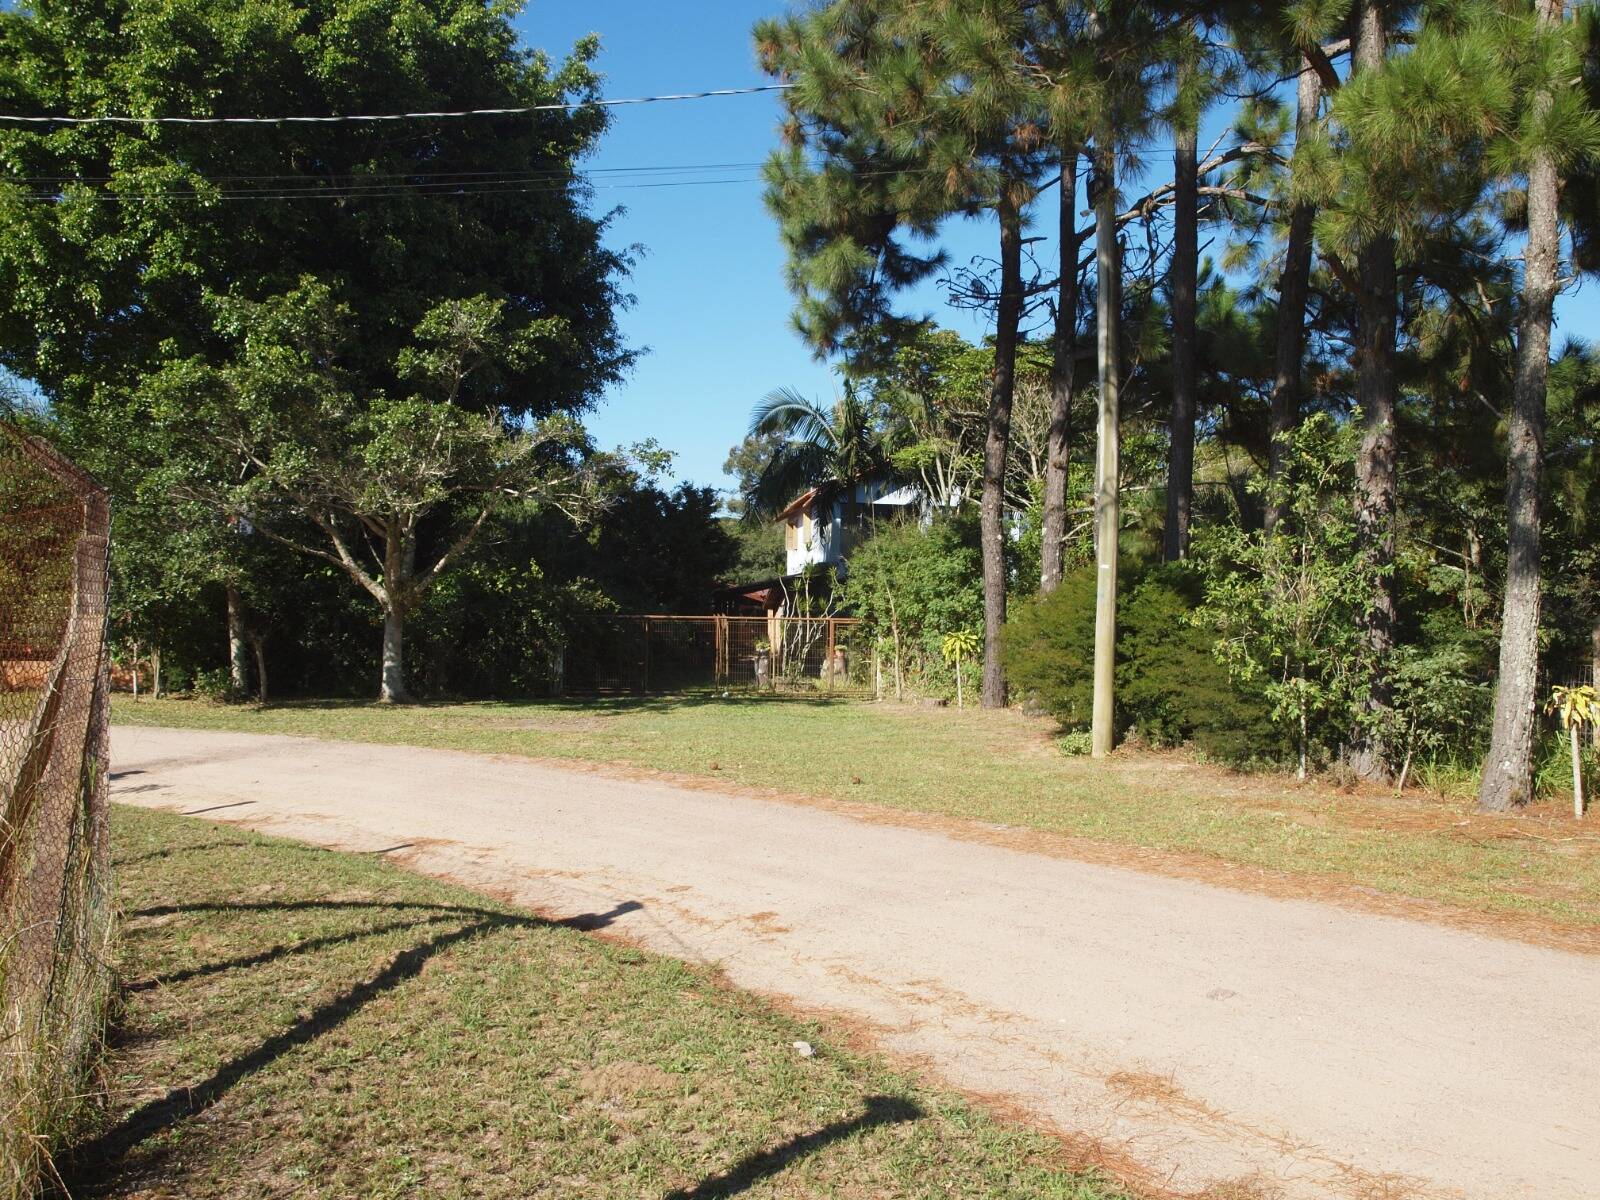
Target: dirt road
{"x":1207,"y":1035}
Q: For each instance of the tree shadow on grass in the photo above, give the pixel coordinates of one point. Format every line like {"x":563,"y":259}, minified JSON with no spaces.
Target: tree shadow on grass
{"x":170,"y":851}
{"x":94,"y":1163}
{"x":585,"y":922}
{"x":90,"y":1161}
{"x":750,"y":1170}
{"x":263,"y":957}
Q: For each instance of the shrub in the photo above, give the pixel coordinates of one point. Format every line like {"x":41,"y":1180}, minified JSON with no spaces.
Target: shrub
{"x":1170,"y":687}
{"x":1048,"y":648}
{"x":1287,"y":605}
{"x":1076,"y":743}
{"x":911,"y":585}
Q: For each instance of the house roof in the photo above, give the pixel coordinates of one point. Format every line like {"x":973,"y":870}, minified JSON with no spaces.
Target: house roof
{"x":898,"y":497}
{"x":800,"y":502}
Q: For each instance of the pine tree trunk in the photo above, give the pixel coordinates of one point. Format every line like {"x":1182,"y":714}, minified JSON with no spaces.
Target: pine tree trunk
{"x":996,"y":444}
{"x":1508,"y":769}
{"x":236,"y":650}
{"x":1182,"y":283}
{"x":1107,"y":511}
{"x":1063,"y":367}
{"x":1293,"y":285}
{"x":1376,"y":481}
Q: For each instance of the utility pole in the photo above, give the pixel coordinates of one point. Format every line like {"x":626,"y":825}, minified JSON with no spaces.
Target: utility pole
{"x":1107,"y":510}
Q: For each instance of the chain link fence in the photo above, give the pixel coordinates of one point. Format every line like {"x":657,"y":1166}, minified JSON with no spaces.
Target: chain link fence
{"x":55,"y":905}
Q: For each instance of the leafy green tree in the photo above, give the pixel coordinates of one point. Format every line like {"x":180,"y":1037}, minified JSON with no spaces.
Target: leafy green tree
{"x":1397,"y":170}
{"x":111,"y":234}
{"x":1284,"y":604}
{"x":911,"y":585}
{"x":306,"y":444}
{"x":744,"y":464}
{"x":115,"y":237}
{"x":759,"y":549}
{"x":934,"y":393}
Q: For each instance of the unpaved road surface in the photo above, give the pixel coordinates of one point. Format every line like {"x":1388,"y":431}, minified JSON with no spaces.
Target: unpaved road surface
{"x":1206,"y":1035}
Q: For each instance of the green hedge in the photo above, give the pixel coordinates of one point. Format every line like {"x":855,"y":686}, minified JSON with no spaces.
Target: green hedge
{"x":1171,"y":689}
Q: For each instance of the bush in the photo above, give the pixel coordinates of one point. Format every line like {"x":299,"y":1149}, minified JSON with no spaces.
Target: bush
{"x":1076,"y":743}
{"x":1170,"y":687}
{"x":1048,"y":648}
{"x":920,"y":582}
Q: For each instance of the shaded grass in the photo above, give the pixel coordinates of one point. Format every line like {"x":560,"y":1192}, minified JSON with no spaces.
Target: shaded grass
{"x":1002,"y":768}
{"x":300,"y":1022}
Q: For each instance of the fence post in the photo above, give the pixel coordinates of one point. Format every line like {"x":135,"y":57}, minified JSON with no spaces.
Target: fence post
{"x":645,"y":686}
{"x":831,"y":637}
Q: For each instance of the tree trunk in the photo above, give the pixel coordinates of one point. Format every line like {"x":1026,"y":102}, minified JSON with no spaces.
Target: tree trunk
{"x":996,"y":444}
{"x":258,"y":644}
{"x":399,"y":568}
{"x":1508,"y":769}
{"x":236,"y":651}
{"x":1063,"y":368}
{"x":393,"y":686}
{"x":1182,"y":283}
{"x":1376,"y":487}
{"x":1107,"y":511}
{"x":1293,"y":285}
{"x":155,"y":673}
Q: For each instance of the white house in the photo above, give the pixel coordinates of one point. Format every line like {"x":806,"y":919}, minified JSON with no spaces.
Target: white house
{"x":824,"y":524}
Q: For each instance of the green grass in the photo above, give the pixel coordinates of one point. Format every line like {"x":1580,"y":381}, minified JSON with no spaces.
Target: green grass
{"x":1003,"y":768}
{"x":300,"y":1022}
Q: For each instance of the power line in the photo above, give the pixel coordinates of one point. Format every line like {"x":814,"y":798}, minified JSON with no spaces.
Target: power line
{"x":383,"y":191}
{"x":383,"y":185}
{"x":307,"y":177}
{"x":347,"y":118}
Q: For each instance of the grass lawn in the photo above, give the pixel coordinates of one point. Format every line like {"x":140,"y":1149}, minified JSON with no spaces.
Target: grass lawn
{"x":1003,"y":768}
{"x":300,"y":1022}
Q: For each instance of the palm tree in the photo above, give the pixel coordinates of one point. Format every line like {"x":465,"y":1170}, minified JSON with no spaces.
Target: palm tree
{"x":826,"y":448}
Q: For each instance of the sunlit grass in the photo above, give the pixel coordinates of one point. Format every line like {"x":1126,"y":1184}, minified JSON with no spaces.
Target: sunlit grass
{"x":305,"y":1023}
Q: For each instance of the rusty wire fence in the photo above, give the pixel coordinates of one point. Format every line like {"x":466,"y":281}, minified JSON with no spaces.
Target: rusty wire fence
{"x":55,"y":906}
{"x":790,"y":655}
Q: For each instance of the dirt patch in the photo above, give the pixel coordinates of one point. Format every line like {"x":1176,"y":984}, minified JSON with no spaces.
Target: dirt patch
{"x":619,"y":1082}
{"x":767,"y":922}
{"x":572,"y":724}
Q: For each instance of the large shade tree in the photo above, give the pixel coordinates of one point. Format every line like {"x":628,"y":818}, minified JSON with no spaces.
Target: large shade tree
{"x":113,"y":236}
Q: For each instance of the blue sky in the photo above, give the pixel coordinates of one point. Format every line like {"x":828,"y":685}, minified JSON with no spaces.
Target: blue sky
{"x":712,"y":310}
